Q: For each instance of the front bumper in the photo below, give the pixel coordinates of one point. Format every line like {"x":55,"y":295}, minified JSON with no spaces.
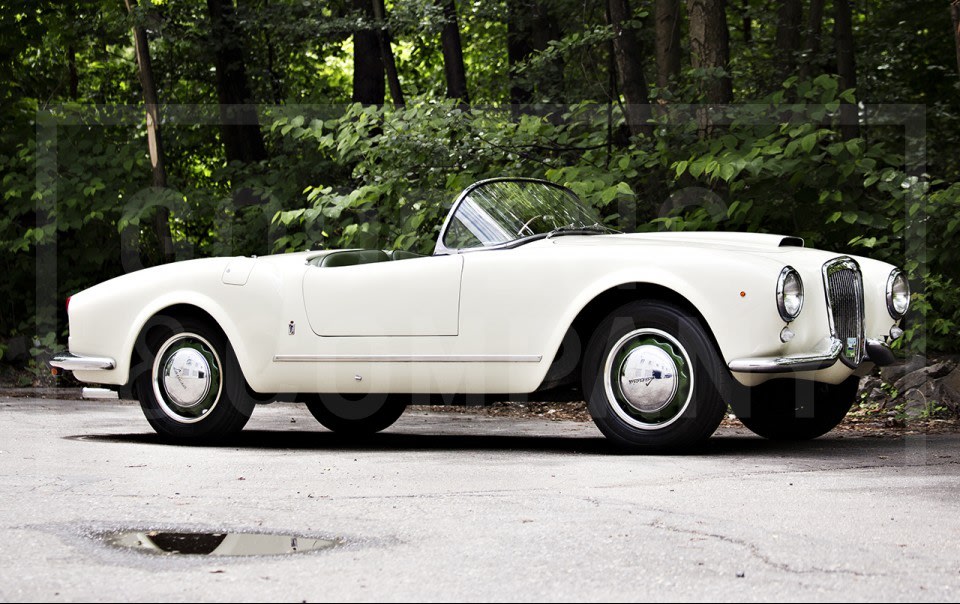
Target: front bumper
{"x":72,"y":362}
{"x":825,"y":355}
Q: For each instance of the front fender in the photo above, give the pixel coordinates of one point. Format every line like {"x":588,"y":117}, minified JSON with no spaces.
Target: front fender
{"x":107,"y":319}
{"x":739,"y":312}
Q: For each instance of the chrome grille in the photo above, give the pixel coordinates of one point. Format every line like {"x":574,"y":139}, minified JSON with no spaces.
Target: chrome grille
{"x":844,"y":289}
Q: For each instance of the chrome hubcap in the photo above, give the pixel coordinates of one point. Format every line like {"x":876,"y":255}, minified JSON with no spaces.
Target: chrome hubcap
{"x":648,"y":379}
{"x":187,"y":377}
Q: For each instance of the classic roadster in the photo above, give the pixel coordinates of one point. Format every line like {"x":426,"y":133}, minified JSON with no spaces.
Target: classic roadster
{"x":526,"y":295}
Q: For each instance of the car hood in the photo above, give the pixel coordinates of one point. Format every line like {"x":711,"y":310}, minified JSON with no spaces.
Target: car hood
{"x":778,"y":249}
{"x":730,"y":241}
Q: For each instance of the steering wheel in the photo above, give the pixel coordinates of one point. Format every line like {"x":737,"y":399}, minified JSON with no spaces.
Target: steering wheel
{"x":526,"y":225}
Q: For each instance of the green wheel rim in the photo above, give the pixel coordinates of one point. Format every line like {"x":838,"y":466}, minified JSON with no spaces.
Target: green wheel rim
{"x":187,"y":378}
{"x":648,"y":379}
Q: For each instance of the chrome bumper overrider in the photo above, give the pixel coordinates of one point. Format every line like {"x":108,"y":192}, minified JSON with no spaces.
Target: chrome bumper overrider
{"x":72,"y":362}
{"x":825,"y":355}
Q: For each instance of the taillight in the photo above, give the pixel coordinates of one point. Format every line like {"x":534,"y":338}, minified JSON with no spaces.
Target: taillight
{"x":68,"y":303}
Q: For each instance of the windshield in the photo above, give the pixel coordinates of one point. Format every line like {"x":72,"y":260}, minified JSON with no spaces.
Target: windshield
{"x":500,"y":211}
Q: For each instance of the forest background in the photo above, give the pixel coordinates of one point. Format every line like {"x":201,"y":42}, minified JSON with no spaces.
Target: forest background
{"x":135,"y":134}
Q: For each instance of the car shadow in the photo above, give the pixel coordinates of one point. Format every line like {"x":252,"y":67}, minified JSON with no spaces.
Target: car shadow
{"x":725,"y":445}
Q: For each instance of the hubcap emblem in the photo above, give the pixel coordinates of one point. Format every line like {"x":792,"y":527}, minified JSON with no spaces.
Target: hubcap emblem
{"x":186,"y":377}
{"x":648,"y":378}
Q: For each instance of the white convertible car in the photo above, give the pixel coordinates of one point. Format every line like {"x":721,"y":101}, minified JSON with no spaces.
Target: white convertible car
{"x":526,"y":296}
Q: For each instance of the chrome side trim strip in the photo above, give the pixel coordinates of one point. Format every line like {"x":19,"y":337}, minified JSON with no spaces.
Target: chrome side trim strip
{"x":98,"y":393}
{"x":72,"y":362}
{"x":407,"y":358}
{"x":824,"y":356}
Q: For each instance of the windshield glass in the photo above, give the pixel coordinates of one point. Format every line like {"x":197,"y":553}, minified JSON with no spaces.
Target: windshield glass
{"x":502,"y":211}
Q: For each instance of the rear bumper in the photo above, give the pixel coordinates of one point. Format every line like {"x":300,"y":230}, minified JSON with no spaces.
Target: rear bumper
{"x":825,"y":355}
{"x":72,"y":362}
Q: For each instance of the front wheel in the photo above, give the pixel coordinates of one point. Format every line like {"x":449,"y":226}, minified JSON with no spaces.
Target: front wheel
{"x":653,"y":378}
{"x":785,"y":409}
{"x":191,"y":387}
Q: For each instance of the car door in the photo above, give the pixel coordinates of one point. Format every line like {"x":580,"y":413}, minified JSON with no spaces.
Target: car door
{"x":410,"y":297}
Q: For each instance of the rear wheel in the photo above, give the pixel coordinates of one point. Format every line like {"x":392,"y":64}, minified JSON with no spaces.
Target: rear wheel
{"x":795,"y":409}
{"x":357,"y":416}
{"x":653,"y":378}
{"x":191,"y":387}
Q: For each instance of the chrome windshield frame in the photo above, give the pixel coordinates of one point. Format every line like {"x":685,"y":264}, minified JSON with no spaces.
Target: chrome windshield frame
{"x":441,"y":249}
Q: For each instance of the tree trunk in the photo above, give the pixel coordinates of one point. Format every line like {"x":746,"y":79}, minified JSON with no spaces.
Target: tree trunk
{"x":518,"y":49}
{"x":72,"y":72}
{"x":276,"y":80}
{"x":545,"y":30}
{"x":846,"y":65}
{"x":667,"y":25}
{"x":628,"y":54}
{"x":239,"y":124}
{"x":746,"y":22}
{"x":812,"y":50}
{"x":161,"y":223}
{"x":789,"y":19}
{"x":955,"y":14}
{"x":531,"y":27}
{"x":276,"y":75}
{"x":710,"y":48}
{"x":384,"y":41}
{"x":368,"y":87}
{"x":453,"y":66}
{"x":73,"y":78}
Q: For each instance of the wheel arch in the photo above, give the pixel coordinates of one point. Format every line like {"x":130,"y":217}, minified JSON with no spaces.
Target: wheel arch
{"x":563,"y":371}
{"x":177,"y":311}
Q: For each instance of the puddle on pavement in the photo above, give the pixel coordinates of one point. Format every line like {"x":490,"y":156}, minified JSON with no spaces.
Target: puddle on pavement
{"x":214,"y":544}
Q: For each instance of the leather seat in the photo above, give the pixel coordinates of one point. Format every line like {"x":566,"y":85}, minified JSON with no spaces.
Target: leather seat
{"x":353,"y":257}
{"x":403,"y":255}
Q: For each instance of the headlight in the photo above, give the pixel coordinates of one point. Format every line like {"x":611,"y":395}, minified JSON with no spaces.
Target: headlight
{"x":898,"y":294}
{"x":789,"y":293}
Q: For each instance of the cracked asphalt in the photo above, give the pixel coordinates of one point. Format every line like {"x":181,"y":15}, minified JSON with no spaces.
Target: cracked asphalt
{"x":464,"y":507}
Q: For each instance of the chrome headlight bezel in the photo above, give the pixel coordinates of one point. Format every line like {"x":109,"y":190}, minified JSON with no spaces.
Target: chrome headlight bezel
{"x":897,"y":278}
{"x":782,"y":293}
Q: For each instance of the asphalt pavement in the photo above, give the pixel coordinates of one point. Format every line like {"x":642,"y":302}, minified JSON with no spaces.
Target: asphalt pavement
{"x":448,"y":506}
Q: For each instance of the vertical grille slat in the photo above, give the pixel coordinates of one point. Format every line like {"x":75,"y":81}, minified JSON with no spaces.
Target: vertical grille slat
{"x":844,"y":288}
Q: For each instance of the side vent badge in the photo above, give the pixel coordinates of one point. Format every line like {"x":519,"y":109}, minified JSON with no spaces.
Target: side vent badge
{"x":292,"y":328}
